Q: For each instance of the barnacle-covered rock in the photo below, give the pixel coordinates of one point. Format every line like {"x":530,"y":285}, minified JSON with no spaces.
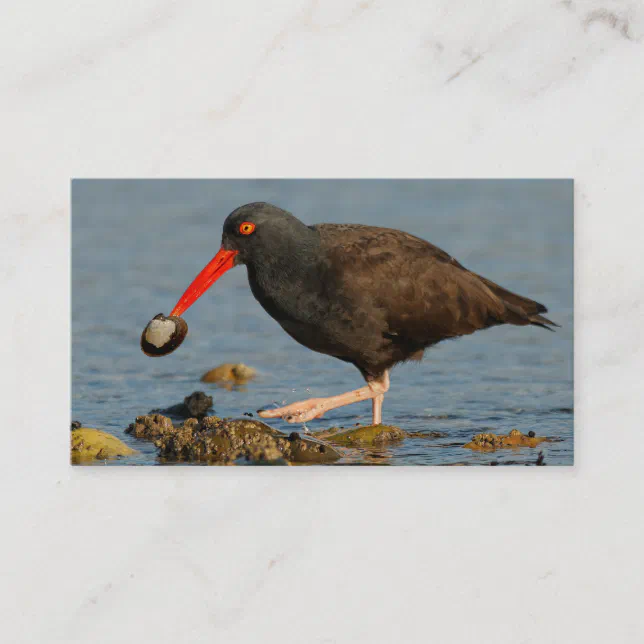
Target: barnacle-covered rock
{"x":149,"y":427}
{"x":229,"y":441}
{"x":488,"y":442}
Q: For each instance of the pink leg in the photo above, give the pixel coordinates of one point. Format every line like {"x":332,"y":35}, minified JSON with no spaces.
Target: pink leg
{"x":300,"y":412}
{"x":376,"y":408}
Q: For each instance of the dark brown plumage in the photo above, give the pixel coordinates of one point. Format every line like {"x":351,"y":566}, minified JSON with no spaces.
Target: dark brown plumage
{"x":410,"y":294}
{"x":370,"y":296}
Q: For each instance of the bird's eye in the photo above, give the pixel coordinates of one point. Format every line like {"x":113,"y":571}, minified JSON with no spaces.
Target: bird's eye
{"x":246,"y":228}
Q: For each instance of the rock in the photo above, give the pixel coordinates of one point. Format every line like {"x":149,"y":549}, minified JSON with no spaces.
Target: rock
{"x":264,"y":452}
{"x":227,"y":441}
{"x":305,"y":450}
{"x":196,"y":405}
{"x":236,"y":374}
{"x":432,"y":434}
{"x":149,"y":427}
{"x":488,"y":442}
{"x":91,"y":444}
{"x":360,"y":436}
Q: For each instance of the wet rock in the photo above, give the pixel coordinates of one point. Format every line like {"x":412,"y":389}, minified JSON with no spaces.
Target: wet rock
{"x":372,"y":435}
{"x":306,"y":450}
{"x":488,"y":442}
{"x":196,"y":405}
{"x":432,"y":434}
{"x":361,"y":436}
{"x":230,"y":373}
{"x":263,"y":452}
{"x":89,"y":445}
{"x":149,"y":427}
{"x":229,"y":441}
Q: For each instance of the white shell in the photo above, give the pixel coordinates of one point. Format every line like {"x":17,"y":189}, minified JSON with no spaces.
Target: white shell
{"x":159,"y":332}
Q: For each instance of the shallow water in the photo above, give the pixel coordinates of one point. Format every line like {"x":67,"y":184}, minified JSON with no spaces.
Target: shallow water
{"x":138,"y":244}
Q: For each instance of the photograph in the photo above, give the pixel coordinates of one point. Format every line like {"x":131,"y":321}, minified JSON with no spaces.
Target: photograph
{"x":322,"y":322}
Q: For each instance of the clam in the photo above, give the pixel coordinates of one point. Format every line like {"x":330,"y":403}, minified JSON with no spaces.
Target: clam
{"x":163,"y":335}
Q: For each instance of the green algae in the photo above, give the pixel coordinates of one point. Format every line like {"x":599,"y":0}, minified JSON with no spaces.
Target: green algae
{"x":362,"y":436}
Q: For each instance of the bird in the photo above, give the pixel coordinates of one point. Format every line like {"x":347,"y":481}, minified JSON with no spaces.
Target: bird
{"x":370,"y":296}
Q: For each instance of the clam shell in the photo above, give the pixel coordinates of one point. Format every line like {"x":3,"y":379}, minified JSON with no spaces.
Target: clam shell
{"x":163,"y":335}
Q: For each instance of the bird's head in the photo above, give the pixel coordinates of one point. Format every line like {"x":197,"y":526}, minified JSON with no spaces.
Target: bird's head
{"x":253,"y":234}
{"x":260,"y":230}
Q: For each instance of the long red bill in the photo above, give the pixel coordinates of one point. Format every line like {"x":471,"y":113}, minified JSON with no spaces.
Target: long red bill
{"x":223,"y":261}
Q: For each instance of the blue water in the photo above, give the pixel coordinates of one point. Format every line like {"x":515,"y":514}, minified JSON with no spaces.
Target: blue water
{"x":138,"y":244}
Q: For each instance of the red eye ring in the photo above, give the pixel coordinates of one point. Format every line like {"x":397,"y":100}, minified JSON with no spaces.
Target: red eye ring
{"x":246,"y":228}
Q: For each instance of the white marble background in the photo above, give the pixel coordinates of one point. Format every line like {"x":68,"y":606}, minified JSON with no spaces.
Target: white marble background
{"x":379,"y":88}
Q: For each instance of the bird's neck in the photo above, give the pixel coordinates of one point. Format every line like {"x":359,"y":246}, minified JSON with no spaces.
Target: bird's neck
{"x":289,"y":257}
{"x":279,"y":279}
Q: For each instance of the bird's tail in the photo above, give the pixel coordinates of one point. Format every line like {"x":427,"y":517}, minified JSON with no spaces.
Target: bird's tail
{"x":543,"y":322}
{"x":521,"y":310}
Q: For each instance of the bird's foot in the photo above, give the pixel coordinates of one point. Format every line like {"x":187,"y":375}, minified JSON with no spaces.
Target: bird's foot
{"x":297,"y":412}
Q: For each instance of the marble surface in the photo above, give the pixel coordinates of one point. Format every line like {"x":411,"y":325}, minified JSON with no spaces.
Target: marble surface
{"x":325,"y":89}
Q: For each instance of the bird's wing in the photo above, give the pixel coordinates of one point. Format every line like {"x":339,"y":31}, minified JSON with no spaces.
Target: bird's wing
{"x":422,"y":292}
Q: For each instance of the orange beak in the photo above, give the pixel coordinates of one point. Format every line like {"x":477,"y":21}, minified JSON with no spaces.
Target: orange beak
{"x":223,"y":261}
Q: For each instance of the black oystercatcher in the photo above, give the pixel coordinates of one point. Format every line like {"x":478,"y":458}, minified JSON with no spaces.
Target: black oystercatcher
{"x":370,"y":296}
